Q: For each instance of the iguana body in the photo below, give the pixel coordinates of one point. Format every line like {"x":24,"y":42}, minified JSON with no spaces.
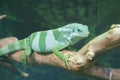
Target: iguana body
{"x":49,"y":41}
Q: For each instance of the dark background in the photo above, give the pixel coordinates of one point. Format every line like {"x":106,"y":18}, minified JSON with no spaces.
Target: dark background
{"x":27,"y":16}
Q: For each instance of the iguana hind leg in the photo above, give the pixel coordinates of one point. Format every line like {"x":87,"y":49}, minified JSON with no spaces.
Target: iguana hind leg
{"x":25,"y":54}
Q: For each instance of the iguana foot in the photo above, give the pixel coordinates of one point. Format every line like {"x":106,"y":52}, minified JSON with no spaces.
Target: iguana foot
{"x":67,"y":65}
{"x":23,"y":59}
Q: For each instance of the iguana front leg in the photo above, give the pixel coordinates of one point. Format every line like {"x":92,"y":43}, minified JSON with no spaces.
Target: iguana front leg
{"x":61,"y":56}
{"x":25,"y":54}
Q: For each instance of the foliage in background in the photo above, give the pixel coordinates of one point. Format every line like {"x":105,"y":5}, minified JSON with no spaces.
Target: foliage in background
{"x":27,"y":16}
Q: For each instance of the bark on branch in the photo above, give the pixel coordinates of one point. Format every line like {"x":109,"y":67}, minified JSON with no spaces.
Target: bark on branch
{"x":82,"y":60}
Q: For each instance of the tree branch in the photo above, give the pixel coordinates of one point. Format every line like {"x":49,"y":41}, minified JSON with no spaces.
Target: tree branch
{"x":82,"y":60}
{"x":2,"y":16}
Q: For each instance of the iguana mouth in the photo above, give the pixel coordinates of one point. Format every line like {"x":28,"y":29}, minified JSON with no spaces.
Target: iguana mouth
{"x":78,"y":35}
{"x":87,"y":34}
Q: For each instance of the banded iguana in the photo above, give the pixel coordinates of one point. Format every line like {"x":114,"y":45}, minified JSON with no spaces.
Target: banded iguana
{"x":48,"y":41}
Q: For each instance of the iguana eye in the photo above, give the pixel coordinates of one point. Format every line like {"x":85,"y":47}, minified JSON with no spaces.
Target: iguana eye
{"x":79,"y":30}
{"x":73,"y":30}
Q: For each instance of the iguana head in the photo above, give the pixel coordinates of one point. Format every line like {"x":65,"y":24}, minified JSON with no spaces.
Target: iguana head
{"x":76,"y":32}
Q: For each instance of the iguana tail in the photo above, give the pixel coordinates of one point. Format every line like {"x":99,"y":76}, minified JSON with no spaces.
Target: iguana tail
{"x":16,"y":46}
